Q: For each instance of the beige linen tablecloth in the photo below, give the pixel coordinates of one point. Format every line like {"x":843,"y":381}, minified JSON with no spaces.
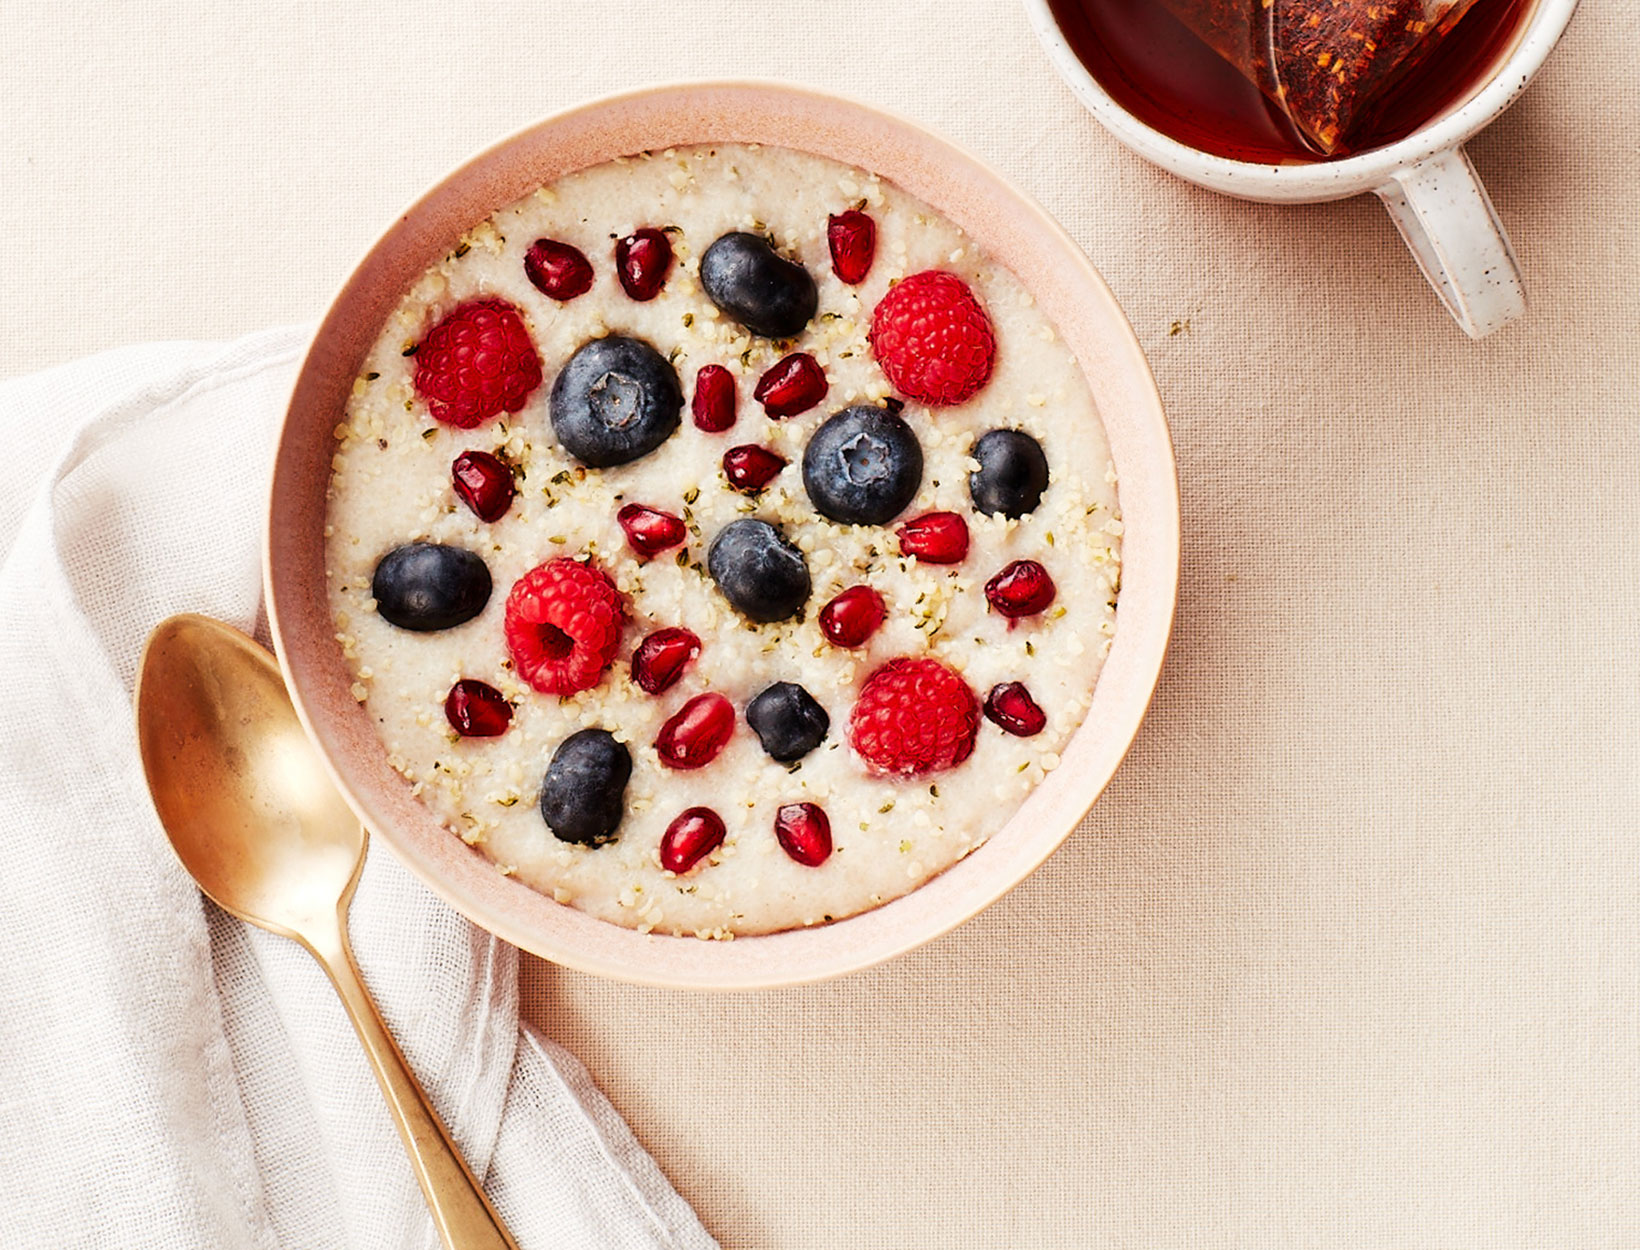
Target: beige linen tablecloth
{"x":1349,"y":954}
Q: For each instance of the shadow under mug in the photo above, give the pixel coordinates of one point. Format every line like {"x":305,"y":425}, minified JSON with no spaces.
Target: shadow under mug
{"x":1425,"y":180}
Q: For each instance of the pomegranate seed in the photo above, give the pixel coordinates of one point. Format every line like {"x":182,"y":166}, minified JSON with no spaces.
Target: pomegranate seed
{"x":476,"y":709}
{"x":1022,"y":589}
{"x":696,"y":732}
{"x":714,"y":402}
{"x":935,"y":538}
{"x":853,"y":239}
{"x":484,"y":484}
{"x":1010,"y":705}
{"x":794,"y":384}
{"x":695,"y":834}
{"x":750,"y":467}
{"x":650,"y":530}
{"x":853,"y":616}
{"x":642,"y":260}
{"x":557,"y":269}
{"x":804,"y":833}
{"x":660,"y":658}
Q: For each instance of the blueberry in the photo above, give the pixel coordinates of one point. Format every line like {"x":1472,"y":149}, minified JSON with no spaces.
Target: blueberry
{"x":616,"y":399}
{"x":758,"y":570}
{"x":863,"y":466}
{"x":1012,"y":473}
{"x":768,"y":294}
{"x":427,"y":586}
{"x":583,"y":795}
{"x":787,"y":721}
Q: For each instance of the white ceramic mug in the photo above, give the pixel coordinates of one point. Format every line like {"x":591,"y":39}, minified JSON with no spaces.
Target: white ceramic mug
{"x":1425,"y":179}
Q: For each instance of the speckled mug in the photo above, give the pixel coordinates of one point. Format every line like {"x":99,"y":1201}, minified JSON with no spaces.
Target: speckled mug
{"x":1425,"y":180}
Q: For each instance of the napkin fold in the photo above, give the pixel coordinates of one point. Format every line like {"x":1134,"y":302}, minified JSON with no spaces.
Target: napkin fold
{"x":170,"y":1077}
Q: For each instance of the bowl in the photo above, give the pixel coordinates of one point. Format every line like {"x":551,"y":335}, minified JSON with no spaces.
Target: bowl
{"x":1016,"y":233}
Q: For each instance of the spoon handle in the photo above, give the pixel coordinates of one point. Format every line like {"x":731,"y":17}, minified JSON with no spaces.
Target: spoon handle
{"x":463,"y":1215}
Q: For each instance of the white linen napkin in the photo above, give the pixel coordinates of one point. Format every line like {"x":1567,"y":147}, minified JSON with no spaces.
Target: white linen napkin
{"x":170,"y":1077}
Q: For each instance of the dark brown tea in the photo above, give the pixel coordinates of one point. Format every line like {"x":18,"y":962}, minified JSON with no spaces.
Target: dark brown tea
{"x":1169,"y":78}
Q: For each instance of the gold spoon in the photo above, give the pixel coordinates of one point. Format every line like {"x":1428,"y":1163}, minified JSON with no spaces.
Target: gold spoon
{"x":255,"y":819}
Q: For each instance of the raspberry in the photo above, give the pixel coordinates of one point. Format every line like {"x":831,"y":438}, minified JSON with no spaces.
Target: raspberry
{"x":914,"y":716}
{"x":476,"y":364}
{"x":933,"y":338}
{"x":563,"y":623}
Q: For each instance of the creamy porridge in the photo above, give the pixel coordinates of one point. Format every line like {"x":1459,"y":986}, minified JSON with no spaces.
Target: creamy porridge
{"x":707,"y":680}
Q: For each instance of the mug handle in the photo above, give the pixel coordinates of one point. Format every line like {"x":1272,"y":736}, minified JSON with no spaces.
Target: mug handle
{"x":1447,"y":219}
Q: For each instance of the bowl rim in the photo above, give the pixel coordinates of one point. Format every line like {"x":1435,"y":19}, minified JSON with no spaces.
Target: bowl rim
{"x":303,"y":632}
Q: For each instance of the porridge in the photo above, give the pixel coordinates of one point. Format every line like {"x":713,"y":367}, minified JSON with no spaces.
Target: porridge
{"x":719,"y":543}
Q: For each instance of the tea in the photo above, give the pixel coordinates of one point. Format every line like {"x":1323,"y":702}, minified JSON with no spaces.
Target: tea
{"x":1165,"y":74}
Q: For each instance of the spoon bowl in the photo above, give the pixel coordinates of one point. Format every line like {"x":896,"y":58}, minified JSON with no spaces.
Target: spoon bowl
{"x":256,"y":821}
{"x":239,"y":788}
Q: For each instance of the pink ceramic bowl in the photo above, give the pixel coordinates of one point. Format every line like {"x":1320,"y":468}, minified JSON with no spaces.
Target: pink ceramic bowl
{"x":1016,"y":233}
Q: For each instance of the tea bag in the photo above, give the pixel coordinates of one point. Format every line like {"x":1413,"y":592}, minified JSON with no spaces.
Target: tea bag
{"x":1324,"y":63}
